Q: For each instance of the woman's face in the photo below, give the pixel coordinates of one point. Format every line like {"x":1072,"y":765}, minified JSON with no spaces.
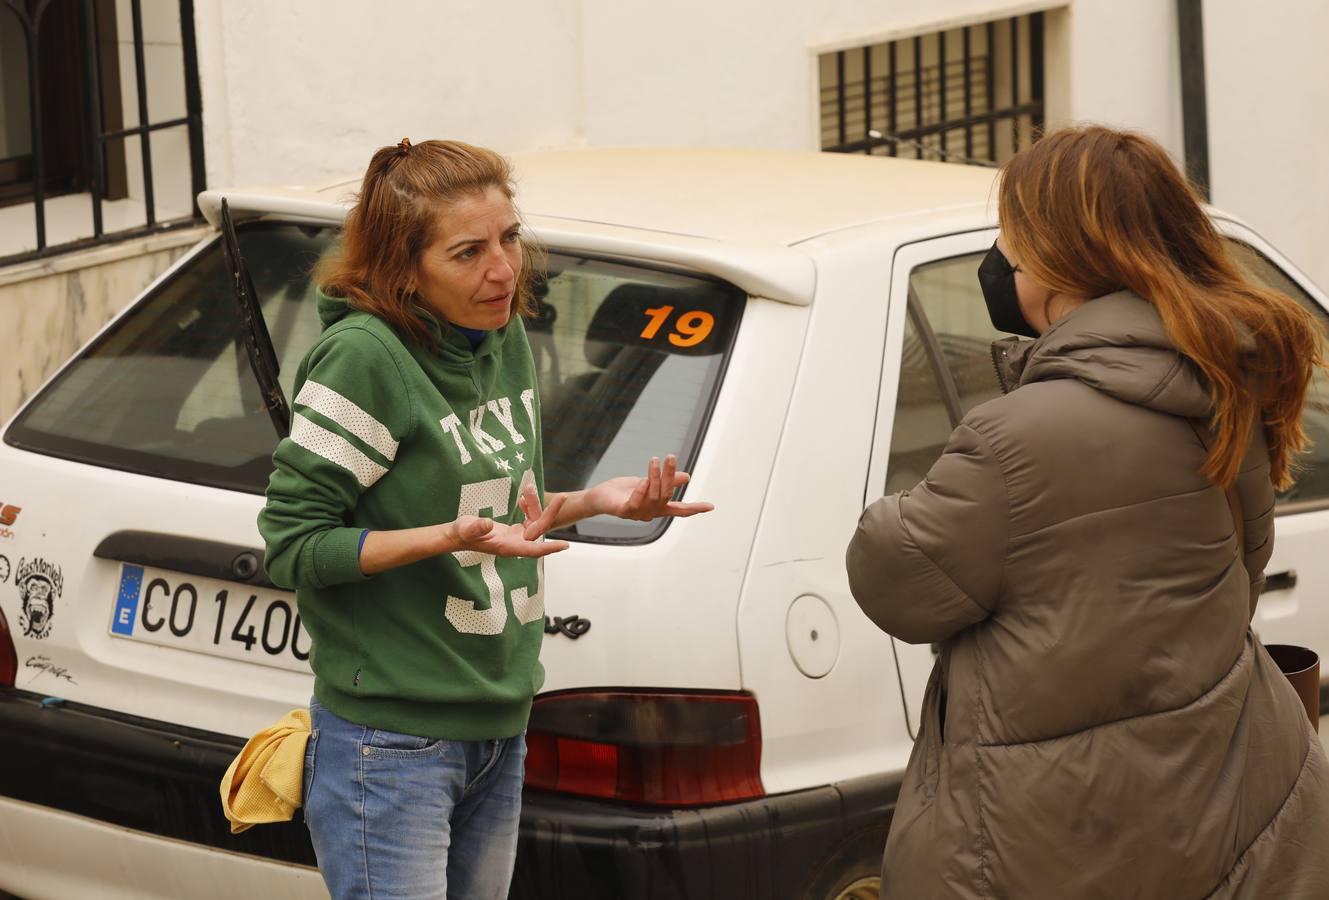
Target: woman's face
{"x":468,"y":275}
{"x":1033,"y":296}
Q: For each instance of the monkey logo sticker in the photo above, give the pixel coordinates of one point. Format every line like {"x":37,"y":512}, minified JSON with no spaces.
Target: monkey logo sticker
{"x":39,"y":587}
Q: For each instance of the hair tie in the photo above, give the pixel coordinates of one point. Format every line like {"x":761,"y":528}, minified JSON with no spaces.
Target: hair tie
{"x":404,"y":146}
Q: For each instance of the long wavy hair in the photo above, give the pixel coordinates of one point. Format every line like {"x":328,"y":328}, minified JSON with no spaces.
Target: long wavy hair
{"x":374,"y":266}
{"x":1092,"y":210}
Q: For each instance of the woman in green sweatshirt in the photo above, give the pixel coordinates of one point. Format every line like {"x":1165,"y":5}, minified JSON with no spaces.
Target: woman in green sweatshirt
{"x":406,"y":511}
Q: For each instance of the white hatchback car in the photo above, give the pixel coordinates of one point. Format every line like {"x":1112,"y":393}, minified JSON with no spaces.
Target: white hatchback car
{"x":720,"y":720}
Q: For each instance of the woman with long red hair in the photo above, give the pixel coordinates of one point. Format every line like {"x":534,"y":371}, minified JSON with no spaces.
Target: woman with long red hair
{"x":1088,"y":552}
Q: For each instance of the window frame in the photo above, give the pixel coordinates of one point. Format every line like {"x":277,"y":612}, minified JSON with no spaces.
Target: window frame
{"x":1026,"y":66}
{"x":94,"y":161}
{"x":72,"y":173}
{"x":910,"y":256}
{"x":707,"y":412}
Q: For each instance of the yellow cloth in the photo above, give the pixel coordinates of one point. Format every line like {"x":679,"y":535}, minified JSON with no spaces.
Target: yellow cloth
{"x":264,"y":783}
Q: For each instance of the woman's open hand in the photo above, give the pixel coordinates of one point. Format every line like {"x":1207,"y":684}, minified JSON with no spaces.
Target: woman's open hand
{"x":487,"y":536}
{"x":644,"y":499}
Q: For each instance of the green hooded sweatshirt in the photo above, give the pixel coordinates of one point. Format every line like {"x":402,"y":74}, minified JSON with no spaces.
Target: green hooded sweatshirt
{"x":388,"y":434}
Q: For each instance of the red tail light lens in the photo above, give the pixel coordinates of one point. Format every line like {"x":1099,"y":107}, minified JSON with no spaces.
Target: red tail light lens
{"x":8,"y":656}
{"x":655,"y":749}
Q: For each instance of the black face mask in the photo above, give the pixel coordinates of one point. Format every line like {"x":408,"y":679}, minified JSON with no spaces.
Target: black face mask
{"x":996,"y":276}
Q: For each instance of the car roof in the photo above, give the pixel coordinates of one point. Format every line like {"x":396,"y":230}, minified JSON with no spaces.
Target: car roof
{"x":738,"y":214}
{"x":746,"y":196}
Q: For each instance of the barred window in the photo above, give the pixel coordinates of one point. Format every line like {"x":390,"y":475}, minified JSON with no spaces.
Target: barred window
{"x":101,"y":127}
{"x":972,"y":94}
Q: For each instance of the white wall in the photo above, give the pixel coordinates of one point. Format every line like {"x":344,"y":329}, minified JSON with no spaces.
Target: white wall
{"x":1125,"y":66}
{"x":305,"y":90}
{"x":296,"y":92}
{"x":299,"y":91}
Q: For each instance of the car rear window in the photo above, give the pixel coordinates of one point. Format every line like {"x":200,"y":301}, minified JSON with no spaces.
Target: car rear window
{"x":629,"y":360}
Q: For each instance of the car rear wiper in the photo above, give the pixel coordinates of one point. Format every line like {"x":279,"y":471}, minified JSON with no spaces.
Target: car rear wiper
{"x":254,"y":330}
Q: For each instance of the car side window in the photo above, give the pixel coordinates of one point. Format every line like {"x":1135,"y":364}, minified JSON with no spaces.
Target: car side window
{"x":946,"y":366}
{"x":629,"y":360}
{"x":922,"y":421}
{"x":948,"y":303}
{"x":1312,"y":485}
{"x":949,"y":298}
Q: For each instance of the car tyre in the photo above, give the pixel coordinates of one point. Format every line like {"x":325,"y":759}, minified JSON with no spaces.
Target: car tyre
{"x":853,"y":872}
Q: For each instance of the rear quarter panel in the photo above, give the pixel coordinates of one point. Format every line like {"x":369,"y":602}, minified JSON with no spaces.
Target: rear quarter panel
{"x":850,"y":721}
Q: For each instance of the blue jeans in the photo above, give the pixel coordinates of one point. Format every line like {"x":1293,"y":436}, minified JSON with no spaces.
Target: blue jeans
{"x":397,"y":816}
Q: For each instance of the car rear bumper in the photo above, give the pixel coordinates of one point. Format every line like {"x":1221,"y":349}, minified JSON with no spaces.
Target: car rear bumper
{"x":772,"y":848}
{"x":124,"y":788}
{"x":134,"y":773}
{"x":50,"y":855}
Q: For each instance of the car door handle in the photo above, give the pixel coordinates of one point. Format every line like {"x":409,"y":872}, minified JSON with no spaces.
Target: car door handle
{"x":194,"y":556}
{"x":1280,"y":581}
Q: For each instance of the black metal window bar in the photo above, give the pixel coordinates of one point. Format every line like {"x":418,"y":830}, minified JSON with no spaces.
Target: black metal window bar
{"x":971,"y":95}
{"x":87,"y":37}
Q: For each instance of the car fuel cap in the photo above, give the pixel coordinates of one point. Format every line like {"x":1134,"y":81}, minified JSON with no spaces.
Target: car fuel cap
{"x":813,"y":635}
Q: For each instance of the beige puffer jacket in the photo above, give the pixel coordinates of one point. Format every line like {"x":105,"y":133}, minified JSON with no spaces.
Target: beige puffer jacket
{"x":1101,"y":721}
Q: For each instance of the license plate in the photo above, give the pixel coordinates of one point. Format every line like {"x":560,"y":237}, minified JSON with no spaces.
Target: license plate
{"x":206,"y":615}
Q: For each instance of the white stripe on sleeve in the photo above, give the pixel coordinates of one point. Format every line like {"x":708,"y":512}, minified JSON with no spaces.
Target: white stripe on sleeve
{"x":335,"y":448}
{"x":325,"y":401}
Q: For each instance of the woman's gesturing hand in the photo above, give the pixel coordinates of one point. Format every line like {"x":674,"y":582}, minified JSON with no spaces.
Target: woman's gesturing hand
{"x":487,"y":536}
{"x":644,"y":499}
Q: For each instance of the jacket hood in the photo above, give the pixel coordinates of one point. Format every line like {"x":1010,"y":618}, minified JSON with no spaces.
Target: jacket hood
{"x":448,"y":343}
{"x":1115,"y":344}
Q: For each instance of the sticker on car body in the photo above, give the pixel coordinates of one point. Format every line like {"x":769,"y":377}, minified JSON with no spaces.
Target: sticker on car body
{"x":40,"y":585}
{"x":8,"y":516}
{"x":44,"y":665}
{"x":572,"y":626}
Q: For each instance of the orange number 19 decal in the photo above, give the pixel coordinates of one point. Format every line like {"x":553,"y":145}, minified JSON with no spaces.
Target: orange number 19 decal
{"x":690,"y":330}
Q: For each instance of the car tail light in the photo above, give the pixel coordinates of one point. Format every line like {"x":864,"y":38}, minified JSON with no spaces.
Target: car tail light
{"x":8,"y":656}
{"x":657,"y":749}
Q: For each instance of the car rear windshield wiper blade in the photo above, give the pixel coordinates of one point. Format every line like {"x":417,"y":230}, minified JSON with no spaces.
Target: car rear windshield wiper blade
{"x":254,"y":330}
